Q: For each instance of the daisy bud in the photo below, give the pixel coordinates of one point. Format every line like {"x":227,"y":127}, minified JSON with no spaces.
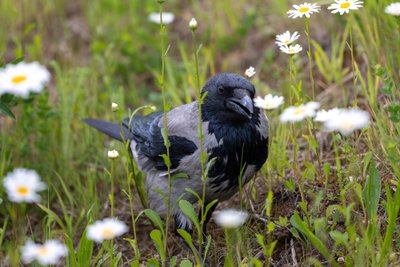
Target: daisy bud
{"x":193,"y":24}
{"x":250,"y":72}
{"x":114,"y":107}
{"x":113,"y":154}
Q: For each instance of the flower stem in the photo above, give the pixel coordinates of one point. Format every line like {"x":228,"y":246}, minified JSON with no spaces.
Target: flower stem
{"x":309,"y":54}
{"x":165,"y":128}
{"x":200,"y":132}
{"x":112,"y":188}
{"x":352,"y":59}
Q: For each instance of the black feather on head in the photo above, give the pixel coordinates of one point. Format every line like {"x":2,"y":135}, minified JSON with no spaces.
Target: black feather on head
{"x":229,"y":98}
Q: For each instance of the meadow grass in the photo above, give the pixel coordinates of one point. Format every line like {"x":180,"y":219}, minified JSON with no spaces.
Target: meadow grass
{"x":321,"y":198}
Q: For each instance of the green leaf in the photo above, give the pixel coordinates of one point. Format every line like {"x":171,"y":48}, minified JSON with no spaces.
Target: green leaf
{"x":164,"y":134}
{"x":290,"y":185}
{"x":367,"y":160}
{"x":268,"y":203}
{"x":166,"y":159}
{"x":208,"y":207}
{"x":372,"y":191}
{"x":180,"y":175}
{"x":339,"y":237}
{"x":85,"y":250}
{"x":327,"y":169}
{"x":300,"y":225}
{"x":4,"y":109}
{"x":155,"y":218}
{"x":52,"y":215}
{"x":155,"y":235}
{"x":173,"y":261}
{"x":186,"y":263}
{"x":153,"y":263}
{"x":189,"y":211}
{"x":256,"y":262}
{"x":189,"y":241}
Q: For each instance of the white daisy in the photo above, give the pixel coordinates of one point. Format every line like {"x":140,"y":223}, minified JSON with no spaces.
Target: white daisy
{"x":268,"y":102}
{"x":348,"y":120}
{"x":112,"y":154}
{"x":291,"y":49}
{"x":23,"y":78}
{"x":305,"y":9}
{"x":108,"y":228}
{"x":231,"y":218}
{"x":250,"y":72}
{"x":294,"y":114}
{"x":393,"y":9}
{"x":48,"y":253}
{"x":22,"y":185}
{"x":324,"y":115}
{"x":286,"y":38}
{"x":344,"y":6}
{"x":167,"y":17}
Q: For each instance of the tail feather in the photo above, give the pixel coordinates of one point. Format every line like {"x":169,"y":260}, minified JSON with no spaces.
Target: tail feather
{"x":114,"y":130}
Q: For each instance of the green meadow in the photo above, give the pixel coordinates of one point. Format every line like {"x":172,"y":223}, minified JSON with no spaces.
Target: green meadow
{"x":323,"y":198}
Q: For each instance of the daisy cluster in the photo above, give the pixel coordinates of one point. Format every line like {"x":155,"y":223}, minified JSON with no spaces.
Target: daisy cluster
{"x":339,"y":6}
{"x":336,"y":119}
{"x":23,"y":186}
{"x":286,"y":40}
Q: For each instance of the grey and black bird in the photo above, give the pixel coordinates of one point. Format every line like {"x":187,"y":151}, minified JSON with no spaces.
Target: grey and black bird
{"x":235,"y":134}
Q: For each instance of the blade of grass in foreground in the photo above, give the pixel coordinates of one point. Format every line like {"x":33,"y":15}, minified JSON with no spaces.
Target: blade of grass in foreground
{"x":300,"y":225}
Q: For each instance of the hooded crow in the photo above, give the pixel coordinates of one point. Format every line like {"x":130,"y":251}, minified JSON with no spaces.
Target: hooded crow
{"x":235,"y":136}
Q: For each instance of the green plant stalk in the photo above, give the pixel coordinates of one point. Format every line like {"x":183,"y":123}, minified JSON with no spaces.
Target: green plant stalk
{"x":112,"y":188}
{"x":393,"y":205}
{"x":166,"y":140}
{"x":138,"y":181}
{"x":313,"y":131}
{"x":237,"y":247}
{"x":292,"y":78}
{"x":350,"y":22}
{"x":309,"y":54}
{"x":229,"y":257}
{"x":137,"y":254}
{"x":295,"y":166}
{"x":200,"y":132}
{"x":338,"y":167}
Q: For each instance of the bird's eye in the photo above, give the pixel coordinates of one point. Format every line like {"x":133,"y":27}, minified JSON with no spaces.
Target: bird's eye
{"x":221,"y":90}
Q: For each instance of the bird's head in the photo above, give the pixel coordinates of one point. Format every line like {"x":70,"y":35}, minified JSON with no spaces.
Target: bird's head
{"x":229,"y":97}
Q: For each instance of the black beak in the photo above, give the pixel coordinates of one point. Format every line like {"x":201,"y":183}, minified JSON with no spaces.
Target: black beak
{"x":242,"y":105}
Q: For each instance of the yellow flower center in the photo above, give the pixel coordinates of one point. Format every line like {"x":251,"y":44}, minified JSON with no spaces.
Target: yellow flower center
{"x":19,"y":79}
{"x":299,"y":111}
{"x":304,"y":9}
{"x":23,"y":190}
{"x":345,"y":5}
{"x":42,"y":251}
{"x":346,"y":125}
{"x":107,"y":233}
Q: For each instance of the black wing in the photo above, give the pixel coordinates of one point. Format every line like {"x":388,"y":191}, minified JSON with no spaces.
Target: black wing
{"x":144,"y":130}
